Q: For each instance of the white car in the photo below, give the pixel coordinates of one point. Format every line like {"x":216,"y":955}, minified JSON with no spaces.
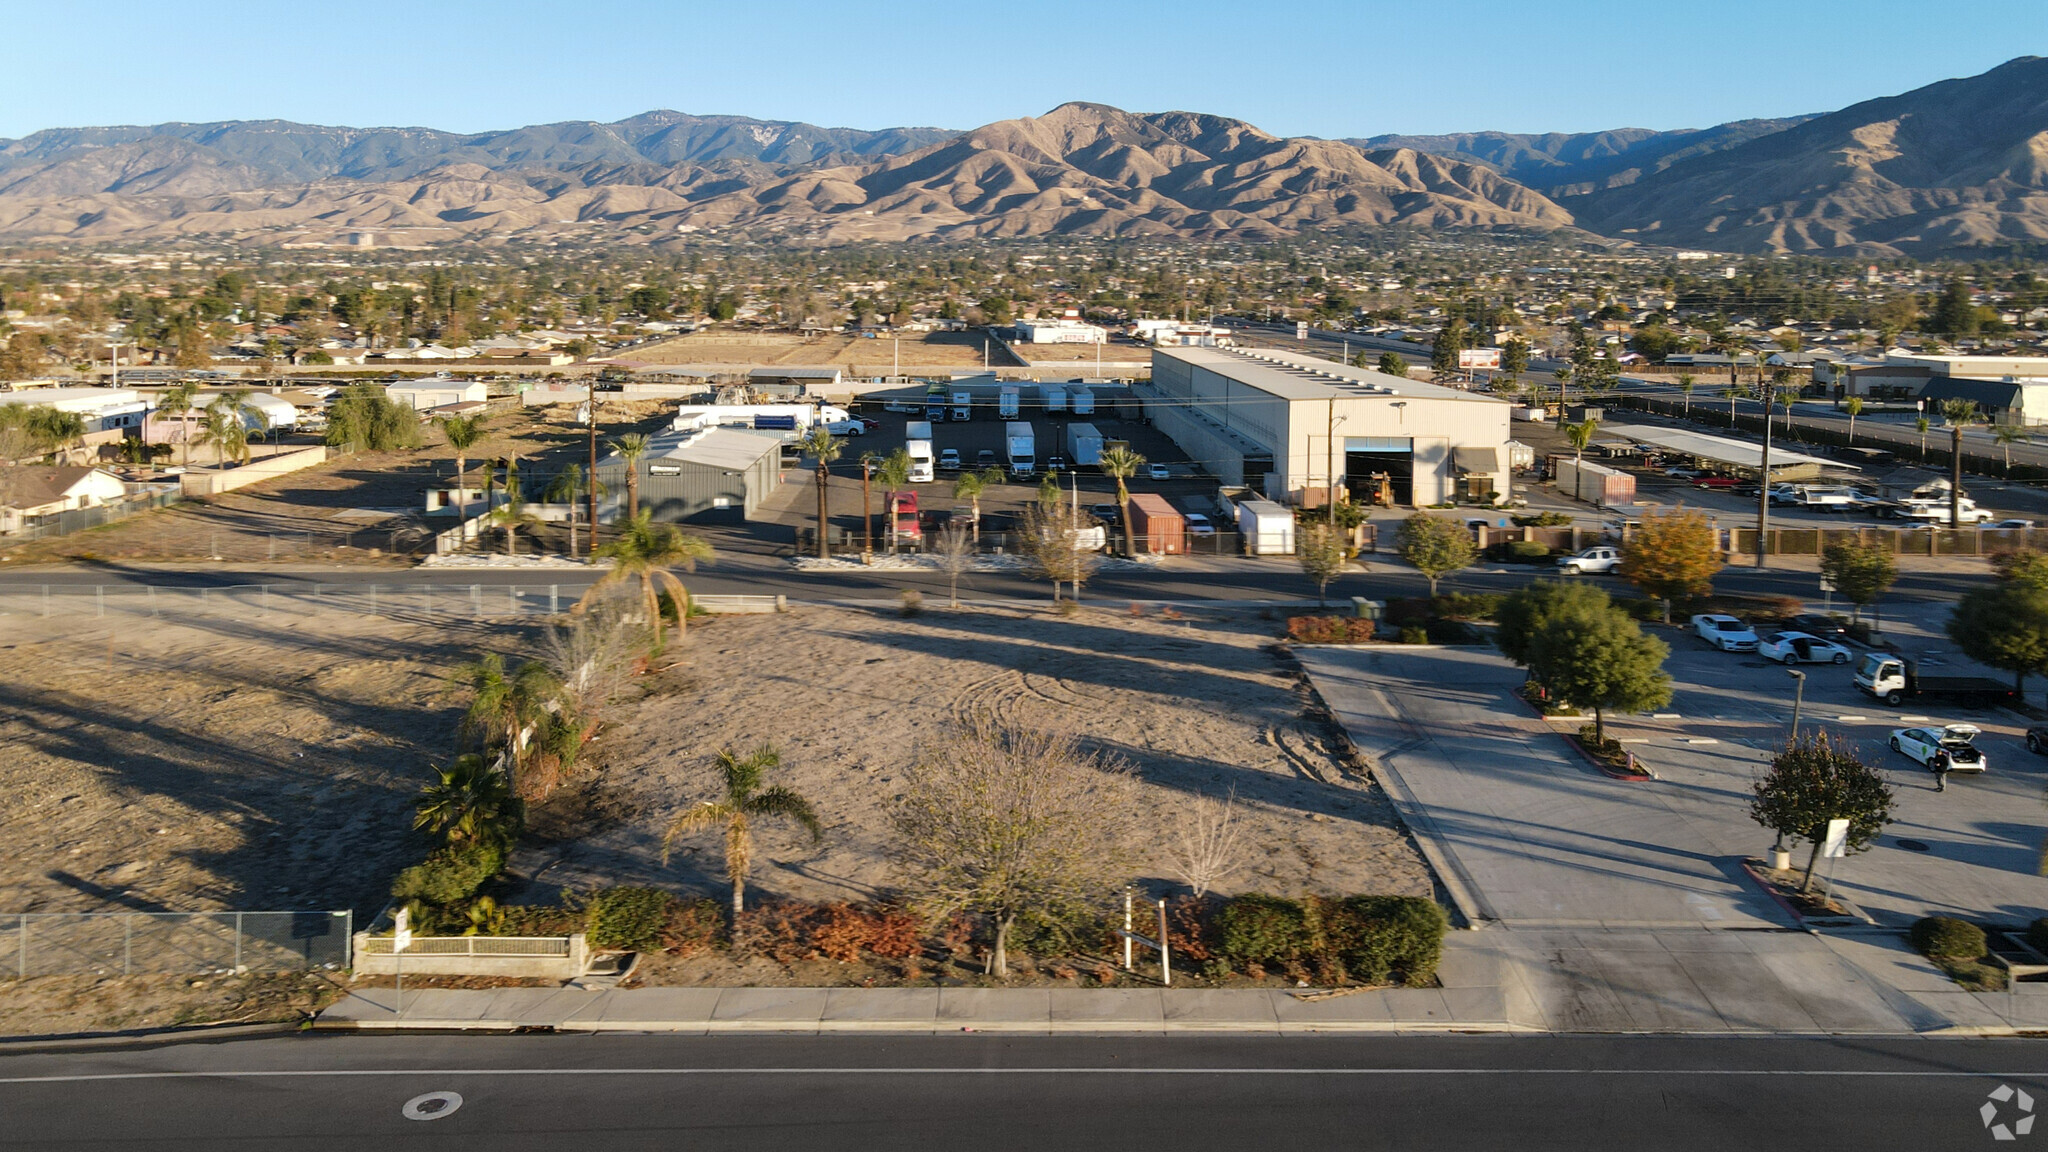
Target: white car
{"x":1591,"y":560}
{"x":2011,"y":524}
{"x":1157,"y":472}
{"x":1958,"y":740}
{"x":1802,"y":648}
{"x":847,"y":428}
{"x":1199,"y":525}
{"x":949,"y":459}
{"x":1684,"y":473}
{"x":1724,"y":632}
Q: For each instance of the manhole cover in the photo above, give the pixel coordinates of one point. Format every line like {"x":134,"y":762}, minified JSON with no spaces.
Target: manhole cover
{"x":1913,"y":845}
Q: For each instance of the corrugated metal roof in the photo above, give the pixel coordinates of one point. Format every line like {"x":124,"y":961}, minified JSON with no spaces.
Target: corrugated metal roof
{"x":1719,"y":449}
{"x":1296,"y":377}
{"x":735,"y":449}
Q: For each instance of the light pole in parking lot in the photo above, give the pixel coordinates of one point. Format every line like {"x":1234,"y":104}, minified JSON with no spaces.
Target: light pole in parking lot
{"x":1798,"y":698}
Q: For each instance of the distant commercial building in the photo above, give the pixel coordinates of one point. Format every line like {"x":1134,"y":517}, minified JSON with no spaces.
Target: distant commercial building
{"x":1285,"y":423}
{"x":423,"y":395}
{"x":2006,"y":389}
{"x":798,"y":381}
{"x":103,"y":409}
{"x":1061,"y":331}
{"x":708,"y":473}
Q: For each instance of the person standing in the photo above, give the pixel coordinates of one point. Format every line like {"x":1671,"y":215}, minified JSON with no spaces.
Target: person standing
{"x":1941,"y":764}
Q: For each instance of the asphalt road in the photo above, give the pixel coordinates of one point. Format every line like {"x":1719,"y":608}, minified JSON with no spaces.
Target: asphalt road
{"x":1188,"y":1094}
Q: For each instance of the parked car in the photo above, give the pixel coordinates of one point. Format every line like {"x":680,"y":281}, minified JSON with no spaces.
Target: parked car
{"x":1055,"y":463}
{"x":1716,"y":482}
{"x":847,"y":428}
{"x":1684,"y":473}
{"x":1199,"y":525}
{"x":1724,"y":632}
{"x":2012,"y":524}
{"x":1107,"y":513}
{"x":1958,"y":740}
{"x":1819,"y":624}
{"x":2037,"y":739}
{"x":1801,"y":648}
{"x":984,"y":459}
{"x":949,"y":459}
{"x":1158,"y":472}
{"x":1602,"y":559}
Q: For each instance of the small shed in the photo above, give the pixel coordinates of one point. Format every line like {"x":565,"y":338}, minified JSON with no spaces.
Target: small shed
{"x":708,"y":473}
{"x":421,"y":395}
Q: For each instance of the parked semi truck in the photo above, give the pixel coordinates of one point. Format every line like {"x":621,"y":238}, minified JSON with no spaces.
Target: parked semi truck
{"x":918,"y":442}
{"x":1023,"y":449}
{"x":1895,"y":679}
{"x":1082,"y":401}
{"x":935,"y":402}
{"x":1008,"y":399}
{"x":1084,"y":446}
{"x":963,"y":404}
{"x":1055,"y":398}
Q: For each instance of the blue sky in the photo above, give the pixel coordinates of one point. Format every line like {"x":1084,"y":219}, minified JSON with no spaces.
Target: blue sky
{"x":1324,"y":69}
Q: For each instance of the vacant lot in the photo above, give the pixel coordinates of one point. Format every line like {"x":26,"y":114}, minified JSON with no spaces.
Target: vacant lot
{"x":734,"y":349}
{"x":1197,"y":705}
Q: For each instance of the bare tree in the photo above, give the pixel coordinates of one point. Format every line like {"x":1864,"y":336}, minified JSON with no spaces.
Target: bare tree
{"x":1206,"y":845}
{"x":956,"y":552}
{"x":1005,"y":821}
{"x":1051,"y":539}
{"x":596,"y":654}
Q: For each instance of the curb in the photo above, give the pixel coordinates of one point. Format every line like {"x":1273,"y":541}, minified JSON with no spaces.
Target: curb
{"x":1854,"y":918}
{"x":141,"y":1038}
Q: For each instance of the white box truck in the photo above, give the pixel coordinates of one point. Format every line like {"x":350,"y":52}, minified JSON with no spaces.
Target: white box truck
{"x":1267,"y":528}
{"x":1008,"y":397}
{"x":963,"y":404}
{"x":1055,"y":398}
{"x":1084,"y":446}
{"x":918,"y":442}
{"x":1083,"y":401}
{"x":1022,"y":448}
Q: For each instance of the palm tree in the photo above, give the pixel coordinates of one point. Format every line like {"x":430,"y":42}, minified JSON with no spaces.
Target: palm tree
{"x":564,"y":489}
{"x":2008,"y":435}
{"x":512,"y":515}
{"x":1921,"y":424}
{"x":470,"y":800}
{"x":745,"y":801}
{"x":1122,"y":463}
{"x":825,"y":447}
{"x":893,"y":473}
{"x":507,"y":712}
{"x":645,"y":551}
{"x":222,"y":426}
{"x":1686,"y":384}
{"x":1854,"y":407}
{"x":1958,"y":412}
{"x":1580,"y":435}
{"x":177,"y":402}
{"x":969,"y":487}
{"x":631,"y":447}
{"x":1564,"y":380}
{"x":462,"y":433}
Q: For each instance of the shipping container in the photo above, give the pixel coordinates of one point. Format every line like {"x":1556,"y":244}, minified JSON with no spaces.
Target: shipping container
{"x":1155,"y":526}
{"x":1084,"y":446}
{"x":1594,"y":483}
{"x":1007,"y":400}
{"x":1055,"y":398}
{"x":1083,"y":401}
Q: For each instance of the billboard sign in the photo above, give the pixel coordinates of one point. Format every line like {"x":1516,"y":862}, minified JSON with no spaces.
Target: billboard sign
{"x":1488,"y":358}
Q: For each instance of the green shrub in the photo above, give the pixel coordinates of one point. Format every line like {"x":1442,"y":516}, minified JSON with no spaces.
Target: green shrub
{"x":1468,"y":605}
{"x":1329,"y":629}
{"x":1255,"y":929}
{"x":540,"y":920}
{"x":1451,"y":632}
{"x":1525,"y":551}
{"x":1643,"y":609}
{"x":451,"y":874}
{"x":1542,"y":520}
{"x":1372,"y":939}
{"x":1408,"y":610}
{"x":629,"y":918}
{"x":1415,"y":635}
{"x":1947,"y":938}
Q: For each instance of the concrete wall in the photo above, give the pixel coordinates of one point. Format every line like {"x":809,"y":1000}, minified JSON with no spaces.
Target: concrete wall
{"x":422,"y":963}
{"x":211,"y":482}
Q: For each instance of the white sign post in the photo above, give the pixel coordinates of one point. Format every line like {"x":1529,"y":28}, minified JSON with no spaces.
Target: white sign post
{"x":1301,"y":329}
{"x":1834,"y":847}
{"x":401,"y":939}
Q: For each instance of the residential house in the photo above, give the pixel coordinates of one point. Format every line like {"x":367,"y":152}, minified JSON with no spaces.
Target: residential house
{"x":30,"y":492}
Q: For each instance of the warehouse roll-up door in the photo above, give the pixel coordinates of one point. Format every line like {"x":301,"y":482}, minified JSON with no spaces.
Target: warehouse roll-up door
{"x":1369,"y":458}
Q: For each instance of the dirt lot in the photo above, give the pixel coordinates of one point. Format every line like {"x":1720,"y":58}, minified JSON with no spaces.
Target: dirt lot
{"x":349,"y":510}
{"x":1194,"y":705}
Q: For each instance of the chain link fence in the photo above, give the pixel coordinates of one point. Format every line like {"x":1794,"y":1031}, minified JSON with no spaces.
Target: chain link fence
{"x":398,"y":601}
{"x":132,"y":943}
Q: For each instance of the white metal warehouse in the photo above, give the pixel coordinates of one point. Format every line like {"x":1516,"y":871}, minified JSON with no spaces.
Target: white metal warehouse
{"x":1287,"y":423}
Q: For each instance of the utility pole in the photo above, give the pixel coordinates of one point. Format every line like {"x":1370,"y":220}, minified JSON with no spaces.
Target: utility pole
{"x":1763,"y":487}
{"x":1330,"y":464}
{"x":590,"y":500}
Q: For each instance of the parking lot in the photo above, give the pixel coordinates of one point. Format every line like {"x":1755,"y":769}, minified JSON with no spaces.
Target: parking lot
{"x":1545,"y":838}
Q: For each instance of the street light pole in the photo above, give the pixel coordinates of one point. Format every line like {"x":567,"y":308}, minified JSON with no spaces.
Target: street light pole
{"x":1763,"y":487}
{"x":1798,"y":698}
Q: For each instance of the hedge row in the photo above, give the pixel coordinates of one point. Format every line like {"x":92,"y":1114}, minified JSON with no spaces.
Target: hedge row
{"x":1369,"y":939}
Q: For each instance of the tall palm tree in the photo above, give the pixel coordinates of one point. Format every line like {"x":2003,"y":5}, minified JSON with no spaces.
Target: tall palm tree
{"x":470,"y":800}
{"x":893,"y":473}
{"x":1564,"y":380}
{"x":745,"y":801}
{"x":1959,"y":413}
{"x":566,"y":488}
{"x":645,"y":551}
{"x":1921,"y":424}
{"x":1854,"y":407}
{"x":515,"y":715}
{"x":1581,"y":436}
{"x":2008,"y":435}
{"x":969,"y":487}
{"x":462,"y":433}
{"x":825,"y":448}
{"x":223,"y":427}
{"x":1122,"y":464}
{"x":178,"y":402}
{"x":631,"y":447}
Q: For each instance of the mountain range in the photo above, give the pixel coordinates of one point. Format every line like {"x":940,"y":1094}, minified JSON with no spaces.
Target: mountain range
{"x":1955,"y":167}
